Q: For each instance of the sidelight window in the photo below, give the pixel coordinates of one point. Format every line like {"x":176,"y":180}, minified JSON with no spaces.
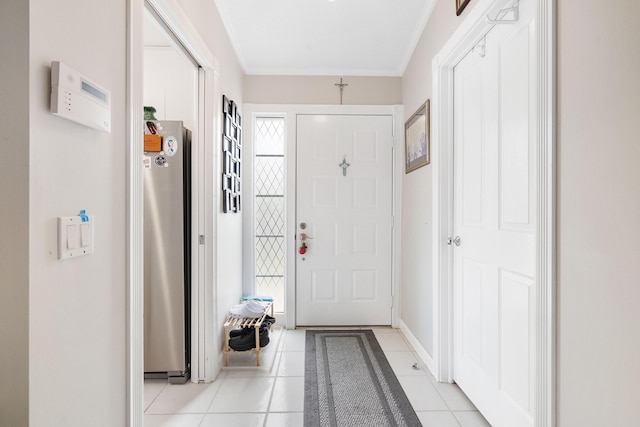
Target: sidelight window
{"x":270,"y":208}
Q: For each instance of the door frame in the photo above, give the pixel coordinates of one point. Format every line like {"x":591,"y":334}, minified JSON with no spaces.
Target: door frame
{"x":290,"y":113}
{"x":205,"y":362}
{"x":468,"y":34}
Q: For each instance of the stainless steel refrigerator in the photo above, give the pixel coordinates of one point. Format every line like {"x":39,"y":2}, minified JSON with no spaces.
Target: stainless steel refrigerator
{"x":167,"y":230}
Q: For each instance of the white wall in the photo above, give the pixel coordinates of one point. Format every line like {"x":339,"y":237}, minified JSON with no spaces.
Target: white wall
{"x":321,"y":90}
{"x":170,"y":85}
{"x":77,"y":306}
{"x":228,"y":264}
{"x":14,"y":213}
{"x":417,"y":239}
{"x":598,"y":212}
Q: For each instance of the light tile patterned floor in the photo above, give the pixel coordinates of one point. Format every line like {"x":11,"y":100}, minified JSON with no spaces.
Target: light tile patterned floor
{"x":273,"y":395}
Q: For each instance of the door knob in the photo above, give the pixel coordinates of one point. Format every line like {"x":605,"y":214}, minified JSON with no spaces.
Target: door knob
{"x":454,"y":240}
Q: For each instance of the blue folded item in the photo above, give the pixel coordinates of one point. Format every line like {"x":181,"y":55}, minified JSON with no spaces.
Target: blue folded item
{"x":262,"y":298}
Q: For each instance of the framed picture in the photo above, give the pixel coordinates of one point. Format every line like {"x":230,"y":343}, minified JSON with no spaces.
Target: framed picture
{"x":231,"y":156}
{"x":225,"y":104}
{"x":416,"y":139}
{"x":460,"y":5}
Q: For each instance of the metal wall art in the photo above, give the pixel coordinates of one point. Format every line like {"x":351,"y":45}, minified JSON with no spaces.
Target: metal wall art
{"x":231,"y":156}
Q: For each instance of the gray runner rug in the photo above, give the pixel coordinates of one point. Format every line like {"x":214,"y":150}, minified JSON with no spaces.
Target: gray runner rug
{"x":348,"y":382}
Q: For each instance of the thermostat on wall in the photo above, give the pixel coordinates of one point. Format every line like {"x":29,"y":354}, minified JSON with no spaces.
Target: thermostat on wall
{"x":75,"y":97}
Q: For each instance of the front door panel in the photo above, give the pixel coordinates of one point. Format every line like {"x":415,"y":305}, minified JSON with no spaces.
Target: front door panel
{"x":344,"y":178}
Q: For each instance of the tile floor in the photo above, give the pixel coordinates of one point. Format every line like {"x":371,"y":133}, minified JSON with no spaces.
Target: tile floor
{"x":273,"y":395}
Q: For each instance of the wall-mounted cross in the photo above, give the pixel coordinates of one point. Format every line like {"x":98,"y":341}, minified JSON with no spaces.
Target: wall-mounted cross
{"x":341,"y":86}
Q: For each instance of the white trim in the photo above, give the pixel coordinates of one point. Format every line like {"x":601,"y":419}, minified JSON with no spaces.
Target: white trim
{"x":135,"y":214}
{"x":545,"y":399}
{"x":290,"y":112}
{"x":198,"y":261}
{"x":442,"y":130}
{"x":210,"y":330}
{"x":248,"y":202}
{"x":398,"y":173}
{"x":463,"y":39}
{"x":422,"y":352}
{"x":204,"y":330}
{"x":291,"y":173}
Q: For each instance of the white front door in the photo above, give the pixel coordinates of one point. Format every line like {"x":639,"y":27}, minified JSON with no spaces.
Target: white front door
{"x":494,"y":216}
{"x":344,"y":277}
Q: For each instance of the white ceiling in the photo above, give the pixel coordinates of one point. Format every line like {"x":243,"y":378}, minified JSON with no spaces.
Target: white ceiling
{"x":324,"y":37}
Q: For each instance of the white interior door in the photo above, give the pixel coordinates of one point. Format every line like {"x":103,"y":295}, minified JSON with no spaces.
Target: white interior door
{"x":344,"y":278}
{"x":494,"y":217}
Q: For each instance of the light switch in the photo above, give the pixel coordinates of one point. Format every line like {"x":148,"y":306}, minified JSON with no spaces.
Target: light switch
{"x":72,"y":236}
{"x":75,"y":236}
{"x":85,"y":234}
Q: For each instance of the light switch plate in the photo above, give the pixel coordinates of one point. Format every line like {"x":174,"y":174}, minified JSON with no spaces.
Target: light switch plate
{"x":75,"y":238}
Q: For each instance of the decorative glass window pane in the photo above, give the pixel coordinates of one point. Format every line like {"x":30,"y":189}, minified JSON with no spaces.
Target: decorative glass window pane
{"x":269,"y":136}
{"x":270,"y":209}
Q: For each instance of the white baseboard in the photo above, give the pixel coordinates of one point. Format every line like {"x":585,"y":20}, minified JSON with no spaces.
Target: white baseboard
{"x":422,"y":353}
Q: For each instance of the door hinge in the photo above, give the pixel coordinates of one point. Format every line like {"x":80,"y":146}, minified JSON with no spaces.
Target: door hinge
{"x":201,"y":239}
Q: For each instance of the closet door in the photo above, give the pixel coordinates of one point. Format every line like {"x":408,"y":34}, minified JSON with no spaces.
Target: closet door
{"x":494,"y":218}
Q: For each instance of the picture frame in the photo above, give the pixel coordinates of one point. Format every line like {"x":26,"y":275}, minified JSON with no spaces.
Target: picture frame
{"x":231,"y":156}
{"x":417,"y":141}
{"x":460,"y":5}
{"x":225,"y":105}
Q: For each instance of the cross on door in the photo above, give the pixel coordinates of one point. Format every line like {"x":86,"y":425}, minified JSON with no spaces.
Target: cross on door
{"x":344,"y":165}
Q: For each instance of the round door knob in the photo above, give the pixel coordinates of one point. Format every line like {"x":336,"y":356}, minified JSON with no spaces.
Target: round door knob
{"x":454,"y":240}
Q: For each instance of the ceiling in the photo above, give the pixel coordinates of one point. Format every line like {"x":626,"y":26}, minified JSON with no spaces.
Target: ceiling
{"x":324,"y":37}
